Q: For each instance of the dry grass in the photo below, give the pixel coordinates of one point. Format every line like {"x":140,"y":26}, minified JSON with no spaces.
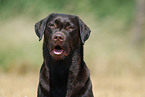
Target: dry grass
{"x":126,"y":86}
{"x":14,"y":85}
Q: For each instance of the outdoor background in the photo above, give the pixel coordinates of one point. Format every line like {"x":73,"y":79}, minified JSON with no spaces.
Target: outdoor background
{"x":114,"y":53}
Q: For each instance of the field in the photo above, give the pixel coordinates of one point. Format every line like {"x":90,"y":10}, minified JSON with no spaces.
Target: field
{"x":117,"y":69}
{"x":18,"y":85}
{"x":115,"y":60}
{"x":14,"y":85}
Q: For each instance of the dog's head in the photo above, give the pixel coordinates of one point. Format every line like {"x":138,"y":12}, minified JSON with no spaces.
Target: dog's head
{"x":62,"y":33}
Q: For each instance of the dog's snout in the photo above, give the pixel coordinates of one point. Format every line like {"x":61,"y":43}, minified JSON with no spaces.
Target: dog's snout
{"x":59,"y":36}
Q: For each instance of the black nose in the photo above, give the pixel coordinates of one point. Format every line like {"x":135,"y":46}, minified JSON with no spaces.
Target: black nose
{"x":58,"y":37}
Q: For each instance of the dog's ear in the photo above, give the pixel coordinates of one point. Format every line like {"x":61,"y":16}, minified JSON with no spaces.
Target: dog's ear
{"x":84,"y":30}
{"x":40,"y":26}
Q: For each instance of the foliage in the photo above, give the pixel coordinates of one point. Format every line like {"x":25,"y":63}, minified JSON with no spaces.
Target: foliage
{"x":100,"y":8}
{"x":108,"y":50}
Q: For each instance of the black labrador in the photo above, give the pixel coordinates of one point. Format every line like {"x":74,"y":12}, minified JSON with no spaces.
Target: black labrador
{"x":64,"y":72}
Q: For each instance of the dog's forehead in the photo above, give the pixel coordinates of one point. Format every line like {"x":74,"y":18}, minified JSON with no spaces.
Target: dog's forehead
{"x":63,"y":17}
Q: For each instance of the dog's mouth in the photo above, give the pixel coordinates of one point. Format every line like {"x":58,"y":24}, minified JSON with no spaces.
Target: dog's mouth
{"x":58,"y":50}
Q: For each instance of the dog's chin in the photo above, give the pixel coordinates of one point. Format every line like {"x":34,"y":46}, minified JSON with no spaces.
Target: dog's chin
{"x":58,"y":53}
{"x":56,"y":57}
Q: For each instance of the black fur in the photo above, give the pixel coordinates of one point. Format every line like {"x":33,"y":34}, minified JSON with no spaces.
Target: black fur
{"x":64,"y":72}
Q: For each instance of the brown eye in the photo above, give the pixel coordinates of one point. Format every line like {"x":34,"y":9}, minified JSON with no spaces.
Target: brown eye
{"x":69,"y":27}
{"x":52,"y":26}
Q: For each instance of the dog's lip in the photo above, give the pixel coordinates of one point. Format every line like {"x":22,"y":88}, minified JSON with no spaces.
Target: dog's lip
{"x":58,"y":50}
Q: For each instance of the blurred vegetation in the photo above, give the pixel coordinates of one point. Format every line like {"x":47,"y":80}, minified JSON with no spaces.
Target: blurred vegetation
{"x":99,"y":8}
{"x":109,"y":50}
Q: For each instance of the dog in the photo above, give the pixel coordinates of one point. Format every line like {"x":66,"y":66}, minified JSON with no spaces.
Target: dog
{"x":63,"y":72}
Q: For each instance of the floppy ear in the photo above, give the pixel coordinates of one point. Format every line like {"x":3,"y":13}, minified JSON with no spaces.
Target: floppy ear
{"x":40,"y":27}
{"x":84,"y":31}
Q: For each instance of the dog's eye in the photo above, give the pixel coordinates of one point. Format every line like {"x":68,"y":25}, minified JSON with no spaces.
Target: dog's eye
{"x":69,"y":27}
{"x":52,"y":26}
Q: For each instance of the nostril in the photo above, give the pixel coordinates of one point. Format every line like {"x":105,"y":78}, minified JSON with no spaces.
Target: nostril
{"x":61,"y":38}
{"x":55,"y":38}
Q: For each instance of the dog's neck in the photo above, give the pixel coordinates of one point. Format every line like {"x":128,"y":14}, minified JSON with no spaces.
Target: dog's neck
{"x":61,"y":70}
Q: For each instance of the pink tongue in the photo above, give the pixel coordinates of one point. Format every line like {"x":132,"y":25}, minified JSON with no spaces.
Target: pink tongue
{"x":58,"y":52}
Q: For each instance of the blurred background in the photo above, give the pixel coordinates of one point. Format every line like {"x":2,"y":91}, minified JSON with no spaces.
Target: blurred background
{"x":114,"y":53}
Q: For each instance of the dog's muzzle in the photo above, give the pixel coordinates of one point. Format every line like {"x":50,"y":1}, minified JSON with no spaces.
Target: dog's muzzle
{"x":58,"y":38}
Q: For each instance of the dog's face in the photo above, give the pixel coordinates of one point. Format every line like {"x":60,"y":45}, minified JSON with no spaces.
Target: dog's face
{"x":62,"y":34}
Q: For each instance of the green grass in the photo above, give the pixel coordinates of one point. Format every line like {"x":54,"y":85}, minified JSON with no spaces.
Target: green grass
{"x":109,"y":49}
{"x":115,"y":62}
{"x":19,"y":45}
